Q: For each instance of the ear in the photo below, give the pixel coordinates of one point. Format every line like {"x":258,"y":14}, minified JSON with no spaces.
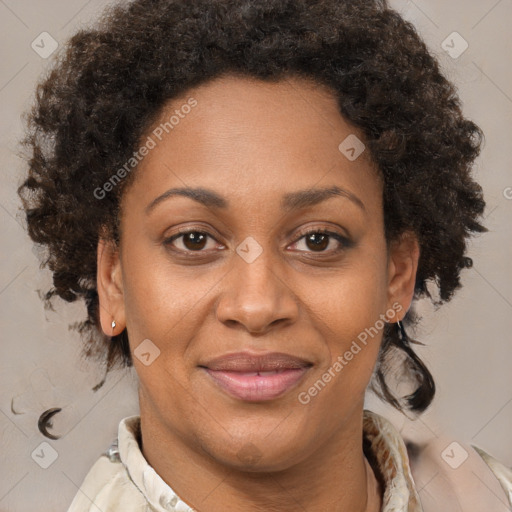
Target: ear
{"x":110,"y":287}
{"x":404,"y":254}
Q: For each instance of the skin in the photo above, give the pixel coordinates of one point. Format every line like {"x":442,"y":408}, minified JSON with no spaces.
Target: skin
{"x":252,"y":142}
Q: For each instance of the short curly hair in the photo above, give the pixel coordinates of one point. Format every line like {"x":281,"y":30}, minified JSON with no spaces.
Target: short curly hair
{"x":111,"y":82}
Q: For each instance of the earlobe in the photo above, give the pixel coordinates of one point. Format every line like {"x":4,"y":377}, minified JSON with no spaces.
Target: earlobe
{"x":404,"y":255}
{"x":110,"y":287}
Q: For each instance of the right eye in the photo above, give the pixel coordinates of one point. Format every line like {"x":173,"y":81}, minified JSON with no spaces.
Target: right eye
{"x":191,"y":240}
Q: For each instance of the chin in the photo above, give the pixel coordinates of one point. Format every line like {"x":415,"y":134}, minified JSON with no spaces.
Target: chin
{"x":257,"y":456}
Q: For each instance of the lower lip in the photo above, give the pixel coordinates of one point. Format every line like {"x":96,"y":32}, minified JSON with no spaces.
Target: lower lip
{"x":257,"y":388}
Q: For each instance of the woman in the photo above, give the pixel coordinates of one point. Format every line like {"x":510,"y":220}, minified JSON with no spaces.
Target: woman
{"x":250,"y":196}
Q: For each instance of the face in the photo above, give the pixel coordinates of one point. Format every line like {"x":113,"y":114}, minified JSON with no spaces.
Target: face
{"x":260,"y":278}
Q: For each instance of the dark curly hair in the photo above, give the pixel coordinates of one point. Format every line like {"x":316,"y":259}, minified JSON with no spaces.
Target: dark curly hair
{"x":110,"y":82}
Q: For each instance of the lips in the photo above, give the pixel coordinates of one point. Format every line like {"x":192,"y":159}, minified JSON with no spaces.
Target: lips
{"x":256,"y":377}
{"x":246,"y":362}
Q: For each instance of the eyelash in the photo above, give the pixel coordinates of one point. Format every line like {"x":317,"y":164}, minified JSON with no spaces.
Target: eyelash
{"x":345,"y":243}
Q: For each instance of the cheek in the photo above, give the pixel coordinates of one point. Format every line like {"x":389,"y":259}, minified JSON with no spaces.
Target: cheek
{"x":163,"y":303}
{"x":154,"y":300}
{"x":160,"y":306}
{"x":351,"y":327}
{"x":353,"y":299}
{"x":349,"y":316}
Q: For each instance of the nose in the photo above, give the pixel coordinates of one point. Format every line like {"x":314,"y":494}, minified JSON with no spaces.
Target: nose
{"x":256,"y":296}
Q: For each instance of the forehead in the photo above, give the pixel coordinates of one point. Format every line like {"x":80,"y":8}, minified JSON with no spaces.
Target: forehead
{"x":255,"y":137}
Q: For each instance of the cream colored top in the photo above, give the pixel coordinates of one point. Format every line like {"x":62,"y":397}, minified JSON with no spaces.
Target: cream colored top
{"x":442,"y":477}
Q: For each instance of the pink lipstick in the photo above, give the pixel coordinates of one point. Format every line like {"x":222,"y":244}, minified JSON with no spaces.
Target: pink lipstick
{"x":255,"y":378}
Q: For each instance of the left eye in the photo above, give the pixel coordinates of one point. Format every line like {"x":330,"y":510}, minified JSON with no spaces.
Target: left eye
{"x":319,"y":240}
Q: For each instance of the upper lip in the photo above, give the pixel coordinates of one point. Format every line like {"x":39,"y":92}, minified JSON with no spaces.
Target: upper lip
{"x":246,"y":362}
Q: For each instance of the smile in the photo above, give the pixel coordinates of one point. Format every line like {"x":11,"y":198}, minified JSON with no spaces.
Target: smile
{"x":256,"y":377}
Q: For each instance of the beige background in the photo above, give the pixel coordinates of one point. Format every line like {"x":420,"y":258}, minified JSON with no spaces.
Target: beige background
{"x":468,"y":342}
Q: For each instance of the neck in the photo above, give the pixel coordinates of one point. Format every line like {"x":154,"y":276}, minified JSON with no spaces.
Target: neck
{"x":336,"y":477}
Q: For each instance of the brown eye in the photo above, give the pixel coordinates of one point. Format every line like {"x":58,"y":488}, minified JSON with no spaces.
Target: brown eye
{"x":317,"y":241}
{"x":191,"y":241}
{"x":194,"y":240}
{"x":322,"y":241}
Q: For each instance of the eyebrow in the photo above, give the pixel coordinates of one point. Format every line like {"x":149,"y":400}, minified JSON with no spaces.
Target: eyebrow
{"x":310,"y":197}
{"x":291,"y":201}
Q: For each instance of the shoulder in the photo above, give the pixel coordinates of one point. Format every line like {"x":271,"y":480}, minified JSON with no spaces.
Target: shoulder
{"x":107,"y":487}
{"x":500,"y":471}
{"x":453,"y":476}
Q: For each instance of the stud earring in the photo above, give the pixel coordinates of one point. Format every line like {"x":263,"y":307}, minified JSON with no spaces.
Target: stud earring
{"x":113,"y":326}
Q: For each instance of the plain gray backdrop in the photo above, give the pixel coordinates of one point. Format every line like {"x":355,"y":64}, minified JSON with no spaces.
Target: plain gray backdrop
{"x":468,"y":342}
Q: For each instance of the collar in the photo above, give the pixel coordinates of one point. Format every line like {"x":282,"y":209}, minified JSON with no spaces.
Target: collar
{"x":391,"y":462}
{"x":388,"y":457}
